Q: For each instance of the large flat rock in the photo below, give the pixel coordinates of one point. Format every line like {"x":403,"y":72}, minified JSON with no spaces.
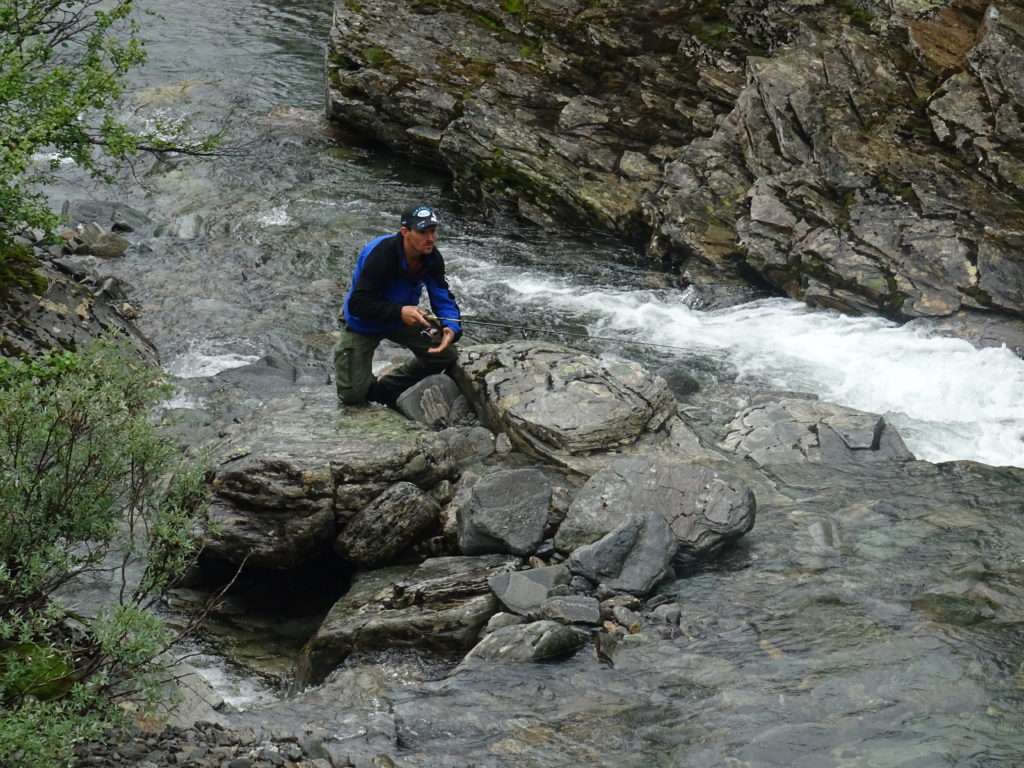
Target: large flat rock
{"x":561,"y":405}
{"x":297,"y":471}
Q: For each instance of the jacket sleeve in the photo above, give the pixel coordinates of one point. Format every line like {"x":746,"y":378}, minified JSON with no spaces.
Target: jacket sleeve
{"x":442,"y":302}
{"x":369,"y":300}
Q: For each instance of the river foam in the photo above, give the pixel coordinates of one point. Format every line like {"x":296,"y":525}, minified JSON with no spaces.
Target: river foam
{"x":948,"y":399}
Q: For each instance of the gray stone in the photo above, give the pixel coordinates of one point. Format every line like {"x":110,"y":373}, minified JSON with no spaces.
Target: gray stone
{"x":572,"y":609}
{"x":507,"y":512}
{"x":524,"y":592}
{"x":705,"y":507}
{"x":632,"y":558}
{"x":537,"y":641}
{"x":394,"y":521}
{"x":435,"y":402}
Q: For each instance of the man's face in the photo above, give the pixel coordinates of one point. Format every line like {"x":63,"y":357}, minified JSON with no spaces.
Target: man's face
{"x":421,"y":243}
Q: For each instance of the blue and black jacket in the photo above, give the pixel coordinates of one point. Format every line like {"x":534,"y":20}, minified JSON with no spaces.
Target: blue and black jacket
{"x":382,"y":285}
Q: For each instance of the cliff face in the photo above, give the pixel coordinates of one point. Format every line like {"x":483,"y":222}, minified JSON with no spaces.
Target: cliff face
{"x":864,"y":156}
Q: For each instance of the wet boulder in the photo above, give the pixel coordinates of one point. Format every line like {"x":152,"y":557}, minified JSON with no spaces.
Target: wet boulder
{"x":506,"y":512}
{"x":704,"y":506}
{"x":561,"y":405}
{"x":633,"y":557}
{"x":803,"y":430}
{"x":536,"y":641}
{"x":390,"y":524}
{"x":440,"y":605}
{"x":297,"y":471}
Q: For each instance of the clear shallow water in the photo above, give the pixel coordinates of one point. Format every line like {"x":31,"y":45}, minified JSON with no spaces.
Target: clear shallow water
{"x":805,"y":648}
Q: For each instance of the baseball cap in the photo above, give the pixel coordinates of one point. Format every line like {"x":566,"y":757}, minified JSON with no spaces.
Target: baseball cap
{"x":420,"y":218}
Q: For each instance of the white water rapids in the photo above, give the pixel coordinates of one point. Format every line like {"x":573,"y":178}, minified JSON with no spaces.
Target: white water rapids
{"x":947,"y":399}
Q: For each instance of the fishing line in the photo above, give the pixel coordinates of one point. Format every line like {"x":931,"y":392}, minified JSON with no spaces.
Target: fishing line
{"x":551,"y":331}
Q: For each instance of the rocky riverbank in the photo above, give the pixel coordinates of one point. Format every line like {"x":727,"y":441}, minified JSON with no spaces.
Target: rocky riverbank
{"x":566,"y":524}
{"x":858,"y":155}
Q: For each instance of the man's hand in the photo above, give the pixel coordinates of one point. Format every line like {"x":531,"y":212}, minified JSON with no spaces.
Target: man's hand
{"x":447,"y":337}
{"x":412,"y":317}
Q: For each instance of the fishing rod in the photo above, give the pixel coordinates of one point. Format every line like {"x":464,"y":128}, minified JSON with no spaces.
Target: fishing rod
{"x":537,"y":329}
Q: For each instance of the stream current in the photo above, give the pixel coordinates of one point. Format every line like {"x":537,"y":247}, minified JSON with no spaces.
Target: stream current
{"x":802,"y":648}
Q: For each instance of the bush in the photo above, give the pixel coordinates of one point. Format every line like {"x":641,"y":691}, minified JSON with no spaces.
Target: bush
{"x":85,"y":480}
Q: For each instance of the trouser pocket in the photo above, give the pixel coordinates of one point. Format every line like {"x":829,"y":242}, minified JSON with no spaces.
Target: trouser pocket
{"x":353,"y":366}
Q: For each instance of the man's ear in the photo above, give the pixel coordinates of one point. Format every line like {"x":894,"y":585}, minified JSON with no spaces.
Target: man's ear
{"x":404,"y":230}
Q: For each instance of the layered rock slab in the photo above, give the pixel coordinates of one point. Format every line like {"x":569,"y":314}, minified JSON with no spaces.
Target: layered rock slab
{"x":440,"y":605}
{"x":296,"y":473}
{"x":705,"y":507}
{"x":803,"y":430}
{"x":563,"y":406}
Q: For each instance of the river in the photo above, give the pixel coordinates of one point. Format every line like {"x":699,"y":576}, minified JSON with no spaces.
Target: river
{"x":811,"y":664}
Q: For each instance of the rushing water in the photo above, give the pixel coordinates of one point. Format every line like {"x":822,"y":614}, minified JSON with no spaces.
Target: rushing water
{"x":790,"y":651}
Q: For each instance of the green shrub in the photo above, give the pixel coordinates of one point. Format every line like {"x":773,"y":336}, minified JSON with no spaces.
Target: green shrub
{"x":84,"y":474}
{"x":18,"y":269}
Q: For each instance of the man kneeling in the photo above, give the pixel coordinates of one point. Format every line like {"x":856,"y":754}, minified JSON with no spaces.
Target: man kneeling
{"x":382,"y":303}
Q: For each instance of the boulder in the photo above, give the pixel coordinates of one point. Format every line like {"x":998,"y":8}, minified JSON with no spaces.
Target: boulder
{"x":792,"y":430}
{"x":507,"y":512}
{"x":560,"y":405}
{"x":705,"y":506}
{"x":536,"y":641}
{"x":387,"y":526}
{"x":295,"y":472}
{"x":441,"y":605}
{"x":633,"y":557}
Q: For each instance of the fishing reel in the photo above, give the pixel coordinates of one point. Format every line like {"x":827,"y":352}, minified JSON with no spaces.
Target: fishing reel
{"x":433,"y":331}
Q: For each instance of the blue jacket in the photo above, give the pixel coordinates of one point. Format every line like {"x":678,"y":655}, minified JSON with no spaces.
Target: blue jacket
{"x":381,"y":286}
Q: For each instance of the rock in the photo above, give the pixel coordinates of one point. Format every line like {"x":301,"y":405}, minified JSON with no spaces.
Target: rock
{"x":537,"y":641}
{"x":440,"y":605}
{"x":390,"y":524}
{"x":705,"y":507}
{"x":800,"y":430}
{"x":435,"y":402}
{"x":99,"y":242}
{"x":572,"y":609}
{"x":468,"y":445}
{"x":507,"y":512}
{"x":670,"y":613}
{"x":632,"y":558}
{"x":524,"y":592}
{"x":461,"y":499}
{"x":502,"y":619}
{"x":560,"y":405}
{"x":297,"y":471}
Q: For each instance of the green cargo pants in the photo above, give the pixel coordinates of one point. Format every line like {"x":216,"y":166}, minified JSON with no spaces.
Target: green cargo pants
{"x":353,"y":365}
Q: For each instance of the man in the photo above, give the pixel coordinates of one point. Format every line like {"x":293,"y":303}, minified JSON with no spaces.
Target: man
{"x":390,"y":275}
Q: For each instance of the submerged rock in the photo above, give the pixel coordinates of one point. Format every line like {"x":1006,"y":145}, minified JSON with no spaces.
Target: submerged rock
{"x":441,"y":605}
